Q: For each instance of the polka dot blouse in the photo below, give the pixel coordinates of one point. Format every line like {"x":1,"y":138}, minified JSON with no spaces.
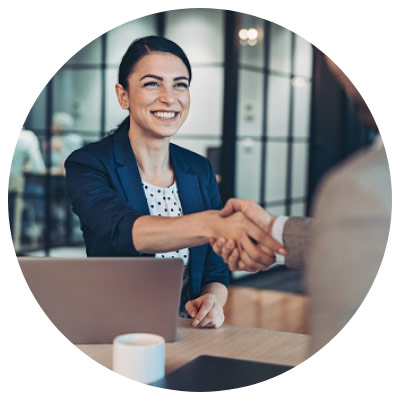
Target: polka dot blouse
{"x":164,"y":202}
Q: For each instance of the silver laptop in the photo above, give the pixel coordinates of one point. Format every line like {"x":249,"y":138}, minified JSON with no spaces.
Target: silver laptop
{"x":92,"y":300}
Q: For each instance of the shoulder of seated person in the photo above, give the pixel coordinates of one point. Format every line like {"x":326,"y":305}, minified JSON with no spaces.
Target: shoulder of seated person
{"x":367,"y":169}
{"x":195,"y":160}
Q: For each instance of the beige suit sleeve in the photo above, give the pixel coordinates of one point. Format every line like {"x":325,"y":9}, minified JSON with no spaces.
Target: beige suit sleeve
{"x":295,"y":240}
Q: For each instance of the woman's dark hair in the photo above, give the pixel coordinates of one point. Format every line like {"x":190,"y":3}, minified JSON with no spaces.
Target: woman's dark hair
{"x":141,"y":47}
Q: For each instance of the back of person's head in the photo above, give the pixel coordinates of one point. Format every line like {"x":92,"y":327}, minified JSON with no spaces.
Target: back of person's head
{"x":144,"y":46}
{"x":62,"y":120}
{"x":353,"y":94}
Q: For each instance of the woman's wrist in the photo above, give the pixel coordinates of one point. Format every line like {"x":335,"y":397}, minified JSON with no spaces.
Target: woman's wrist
{"x":209,"y":223}
{"x":217,"y":289}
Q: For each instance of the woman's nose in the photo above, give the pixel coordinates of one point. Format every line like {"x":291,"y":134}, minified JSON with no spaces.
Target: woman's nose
{"x":167,"y":95}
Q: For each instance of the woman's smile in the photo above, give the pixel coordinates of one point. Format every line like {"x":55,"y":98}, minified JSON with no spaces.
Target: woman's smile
{"x":166,"y":115}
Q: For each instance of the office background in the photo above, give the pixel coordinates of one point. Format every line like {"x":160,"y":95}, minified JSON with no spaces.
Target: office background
{"x":265,"y":110}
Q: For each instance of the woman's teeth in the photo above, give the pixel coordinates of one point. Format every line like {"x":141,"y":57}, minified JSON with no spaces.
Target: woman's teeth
{"x":165,"y":115}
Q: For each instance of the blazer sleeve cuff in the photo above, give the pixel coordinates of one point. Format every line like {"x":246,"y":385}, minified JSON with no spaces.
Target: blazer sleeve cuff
{"x":122,"y":237}
{"x":220,"y":279}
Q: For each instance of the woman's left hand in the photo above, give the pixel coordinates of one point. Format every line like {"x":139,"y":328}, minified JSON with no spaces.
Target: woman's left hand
{"x":206,"y":311}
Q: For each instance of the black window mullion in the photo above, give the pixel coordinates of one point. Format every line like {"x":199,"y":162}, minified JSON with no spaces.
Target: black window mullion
{"x":267,"y":37}
{"x":231,"y":63}
{"x":103,"y":67}
{"x":160,"y":22}
{"x":48,"y":178}
{"x":290,"y":133}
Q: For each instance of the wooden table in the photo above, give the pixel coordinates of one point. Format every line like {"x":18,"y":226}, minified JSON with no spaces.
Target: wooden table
{"x":228,"y":341}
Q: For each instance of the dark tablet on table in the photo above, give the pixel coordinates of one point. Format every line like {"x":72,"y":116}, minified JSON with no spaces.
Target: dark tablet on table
{"x":209,"y":373}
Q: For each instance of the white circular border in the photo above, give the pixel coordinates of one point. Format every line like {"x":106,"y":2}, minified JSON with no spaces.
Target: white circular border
{"x":38,"y":37}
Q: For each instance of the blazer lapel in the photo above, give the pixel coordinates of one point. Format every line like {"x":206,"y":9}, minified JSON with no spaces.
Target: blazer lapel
{"x":192,"y":202}
{"x":129,"y":176}
{"x":187,"y":182}
{"x":128,"y":171}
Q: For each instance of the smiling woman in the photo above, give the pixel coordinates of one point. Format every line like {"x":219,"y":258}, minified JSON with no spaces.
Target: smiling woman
{"x":137,"y":194}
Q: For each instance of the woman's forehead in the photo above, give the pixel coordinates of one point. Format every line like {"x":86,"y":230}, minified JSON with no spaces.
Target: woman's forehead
{"x":157,"y":63}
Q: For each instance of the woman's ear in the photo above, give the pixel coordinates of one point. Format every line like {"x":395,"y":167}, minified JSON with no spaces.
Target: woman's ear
{"x":122,"y":95}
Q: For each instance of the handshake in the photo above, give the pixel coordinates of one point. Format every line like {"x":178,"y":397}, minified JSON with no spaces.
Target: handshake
{"x":243,"y":236}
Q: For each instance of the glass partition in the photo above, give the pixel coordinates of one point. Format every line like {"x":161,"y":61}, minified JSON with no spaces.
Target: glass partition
{"x":274,"y":86}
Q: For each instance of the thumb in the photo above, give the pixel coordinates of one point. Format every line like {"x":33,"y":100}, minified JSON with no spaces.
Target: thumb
{"x":228,"y":209}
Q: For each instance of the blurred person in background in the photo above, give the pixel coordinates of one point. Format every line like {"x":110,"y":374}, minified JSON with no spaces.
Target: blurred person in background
{"x":63,"y":141}
{"x":342,"y":246}
{"x":27,"y":159}
{"x":27,"y":155}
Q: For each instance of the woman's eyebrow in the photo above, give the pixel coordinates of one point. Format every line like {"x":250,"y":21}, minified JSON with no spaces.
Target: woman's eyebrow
{"x":152,"y":76}
{"x":178,"y":78}
{"x":181,"y":77}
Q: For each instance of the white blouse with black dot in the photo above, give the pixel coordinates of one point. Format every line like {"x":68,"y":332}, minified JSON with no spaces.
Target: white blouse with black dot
{"x":164,"y":202}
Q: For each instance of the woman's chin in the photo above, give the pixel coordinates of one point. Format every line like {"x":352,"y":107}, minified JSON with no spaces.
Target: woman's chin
{"x":165,"y":131}
{"x":164,"y":134}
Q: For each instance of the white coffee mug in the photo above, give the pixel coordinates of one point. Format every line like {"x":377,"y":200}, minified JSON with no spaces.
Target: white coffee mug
{"x":139,"y":356}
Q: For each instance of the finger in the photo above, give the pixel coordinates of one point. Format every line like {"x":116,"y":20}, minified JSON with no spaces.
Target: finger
{"x":253,"y":270}
{"x":216,"y":317}
{"x":253,"y":252}
{"x":213,"y":244}
{"x":206,"y":321}
{"x":233,"y":260}
{"x":191,"y":308}
{"x":216,"y":250}
{"x":266,"y":266}
{"x":221,"y":242}
{"x":252,"y":265}
{"x":267,"y":249}
{"x":268,"y":242}
{"x":218,"y":245}
{"x":211,"y":318}
{"x":205,"y":308}
{"x":243,"y":267}
{"x":272,"y":245}
{"x":228,"y":249}
{"x":214,"y":324}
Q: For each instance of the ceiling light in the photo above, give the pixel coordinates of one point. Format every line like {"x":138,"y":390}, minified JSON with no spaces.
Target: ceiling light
{"x":298,"y":81}
{"x":252,"y":42}
{"x":244,"y":34}
{"x":252,"y":34}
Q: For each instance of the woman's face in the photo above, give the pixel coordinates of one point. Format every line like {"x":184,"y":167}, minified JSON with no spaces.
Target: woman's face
{"x":158,"y":95}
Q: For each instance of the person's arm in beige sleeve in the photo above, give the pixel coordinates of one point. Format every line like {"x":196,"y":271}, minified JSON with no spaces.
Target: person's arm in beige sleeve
{"x":295,"y":240}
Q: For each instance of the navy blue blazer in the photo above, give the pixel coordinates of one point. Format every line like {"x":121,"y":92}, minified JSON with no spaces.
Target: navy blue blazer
{"x":106,"y":192}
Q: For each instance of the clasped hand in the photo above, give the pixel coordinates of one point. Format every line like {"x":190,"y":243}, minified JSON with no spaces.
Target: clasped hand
{"x":244,"y":239}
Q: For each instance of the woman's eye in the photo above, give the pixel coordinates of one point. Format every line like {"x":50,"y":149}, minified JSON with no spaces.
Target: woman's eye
{"x":182,"y":85}
{"x":151,"y":84}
